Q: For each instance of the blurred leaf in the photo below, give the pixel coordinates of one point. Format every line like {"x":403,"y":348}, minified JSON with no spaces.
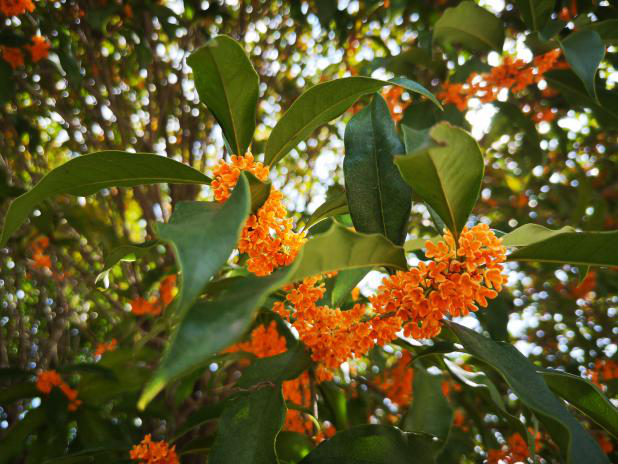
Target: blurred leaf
{"x":584,"y":51}
{"x":292,"y":446}
{"x":573,"y":441}
{"x":335,"y":398}
{"x":88,"y":174}
{"x":323,"y":103}
{"x":203,"y":235}
{"x":536,"y":13}
{"x":378,"y":198}
{"x":7,"y":85}
{"x":448,"y":176}
{"x":17,"y":392}
{"x":210,"y":326}
{"x":15,"y":439}
{"x":585,"y":396}
{"x":341,"y":248}
{"x":248,"y":428}
{"x":607,"y":29}
{"x":471,"y":26}
{"x":129,"y":252}
{"x":373,"y":444}
{"x":205,"y":414}
{"x":228,"y":85}
{"x":336,"y":203}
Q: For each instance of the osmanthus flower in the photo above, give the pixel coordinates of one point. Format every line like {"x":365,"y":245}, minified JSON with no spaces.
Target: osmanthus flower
{"x":268,"y":237}
{"x":396,"y":382}
{"x":13,"y":56}
{"x":16,"y":7}
{"x":39,"y":49}
{"x":604,"y":370}
{"x":141,"y":307}
{"x":516,"y":450}
{"x":154,"y":452}
{"x":456,"y":281}
{"x":40,"y":259}
{"x":103,"y":348}
{"x":47,"y":380}
{"x":168,"y":289}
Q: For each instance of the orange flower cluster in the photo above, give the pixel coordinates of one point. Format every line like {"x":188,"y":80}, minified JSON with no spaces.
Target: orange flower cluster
{"x":47,"y":380}
{"x":516,"y":451}
{"x":13,"y":56}
{"x":267,"y":237}
{"x":105,"y":347}
{"x":396,"y":383}
{"x":39,"y":48}
{"x":41,"y":260}
{"x":587,"y":285}
{"x":395,"y":104}
{"x":332,"y":335}
{"x":604,"y":370}
{"x":455,"y":282}
{"x":604,"y":442}
{"x":16,"y":7}
{"x":266,"y":342}
{"x":512,"y":74}
{"x":168,"y":289}
{"x":141,"y":306}
{"x":154,"y":452}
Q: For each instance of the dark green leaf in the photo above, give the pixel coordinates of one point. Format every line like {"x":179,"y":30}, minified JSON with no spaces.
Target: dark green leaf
{"x":471,"y":26}
{"x":210,"y":326}
{"x":88,"y":174}
{"x":336,"y":203}
{"x":344,"y":283}
{"x":373,"y":444}
{"x":203,"y":235}
{"x":535,"y":13}
{"x":321,"y":104}
{"x":341,"y":248}
{"x":448,"y":176}
{"x":15,"y":439}
{"x":129,"y":252}
{"x":259,"y":191}
{"x":292,"y":446}
{"x":248,"y":428}
{"x":573,"y":441}
{"x":378,"y":198}
{"x":228,"y":85}
{"x":17,"y":392}
{"x":607,"y":29}
{"x":276,"y":369}
{"x":584,"y":51}
{"x":7,"y":85}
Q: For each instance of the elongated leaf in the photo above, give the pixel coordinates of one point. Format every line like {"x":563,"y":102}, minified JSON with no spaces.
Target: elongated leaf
{"x":341,"y":248}
{"x":535,"y":13}
{"x":471,"y":26}
{"x":16,"y":392}
{"x":584,"y":51}
{"x":565,"y":247}
{"x":607,"y":29}
{"x":210,"y":326}
{"x":260,"y":191}
{"x":586,"y":397}
{"x":573,"y":441}
{"x":415,"y":139}
{"x":321,"y":104}
{"x":15,"y":439}
{"x":430,"y":412}
{"x":378,"y":198}
{"x":276,"y":369}
{"x":248,"y":428}
{"x":88,"y":174}
{"x":373,"y":444}
{"x":344,"y":283}
{"x":203,"y":235}
{"x":228,"y":85}
{"x":129,"y":252}
{"x":447,"y":177}
{"x":531,"y":233}
{"x":336,"y":203}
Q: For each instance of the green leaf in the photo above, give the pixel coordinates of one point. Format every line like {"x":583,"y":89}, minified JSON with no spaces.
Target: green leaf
{"x":535,"y":13}
{"x":415,"y":139}
{"x":228,"y":85}
{"x":203,"y":235}
{"x":448,"y":176}
{"x":341,"y":248}
{"x":584,"y":51}
{"x":607,"y":29}
{"x":430,"y":412}
{"x":276,"y":369}
{"x":210,"y":326}
{"x":293,"y":446}
{"x":15,"y":439}
{"x":7,"y":84}
{"x":471,"y":26}
{"x":16,"y":392}
{"x":345,"y":281}
{"x":378,"y":198}
{"x":323,"y":103}
{"x":88,"y":174}
{"x":585,"y":396}
{"x":572,"y":439}
{"x":206,"y":413}
{"x":129,"y":252}
{"x":336,"y":203}
{"x":248,"y":428}
{"x":373,"y":444}
{"x":564,"y":246}
{"x":260,"y":191}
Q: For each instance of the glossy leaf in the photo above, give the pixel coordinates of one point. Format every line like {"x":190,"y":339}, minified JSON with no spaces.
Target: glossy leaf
{"x":323,"y":103}
{"x":345,"y":281}
{"x":260,"y":191}
{"x":210,"y":326}
{"x":88,"y":174}
{"x":228,"y":85}
{"x":585,"y":396}
{"x":378,"y":198}
{"x":203,"y":235}
{"x":336,"y":203}
{"x":248,"y":428}
{"x":373,"y":444}
{"x":536,"y":13}
{"x":341,"y":248}
{"x":584,"y":51}
{"x":276,"y":369}
{"x":448,"y":176}
{"x":572,"y":439}
{"x":129,"y":252}
{"x":471,"y":26}
{"x":531,"y":233}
